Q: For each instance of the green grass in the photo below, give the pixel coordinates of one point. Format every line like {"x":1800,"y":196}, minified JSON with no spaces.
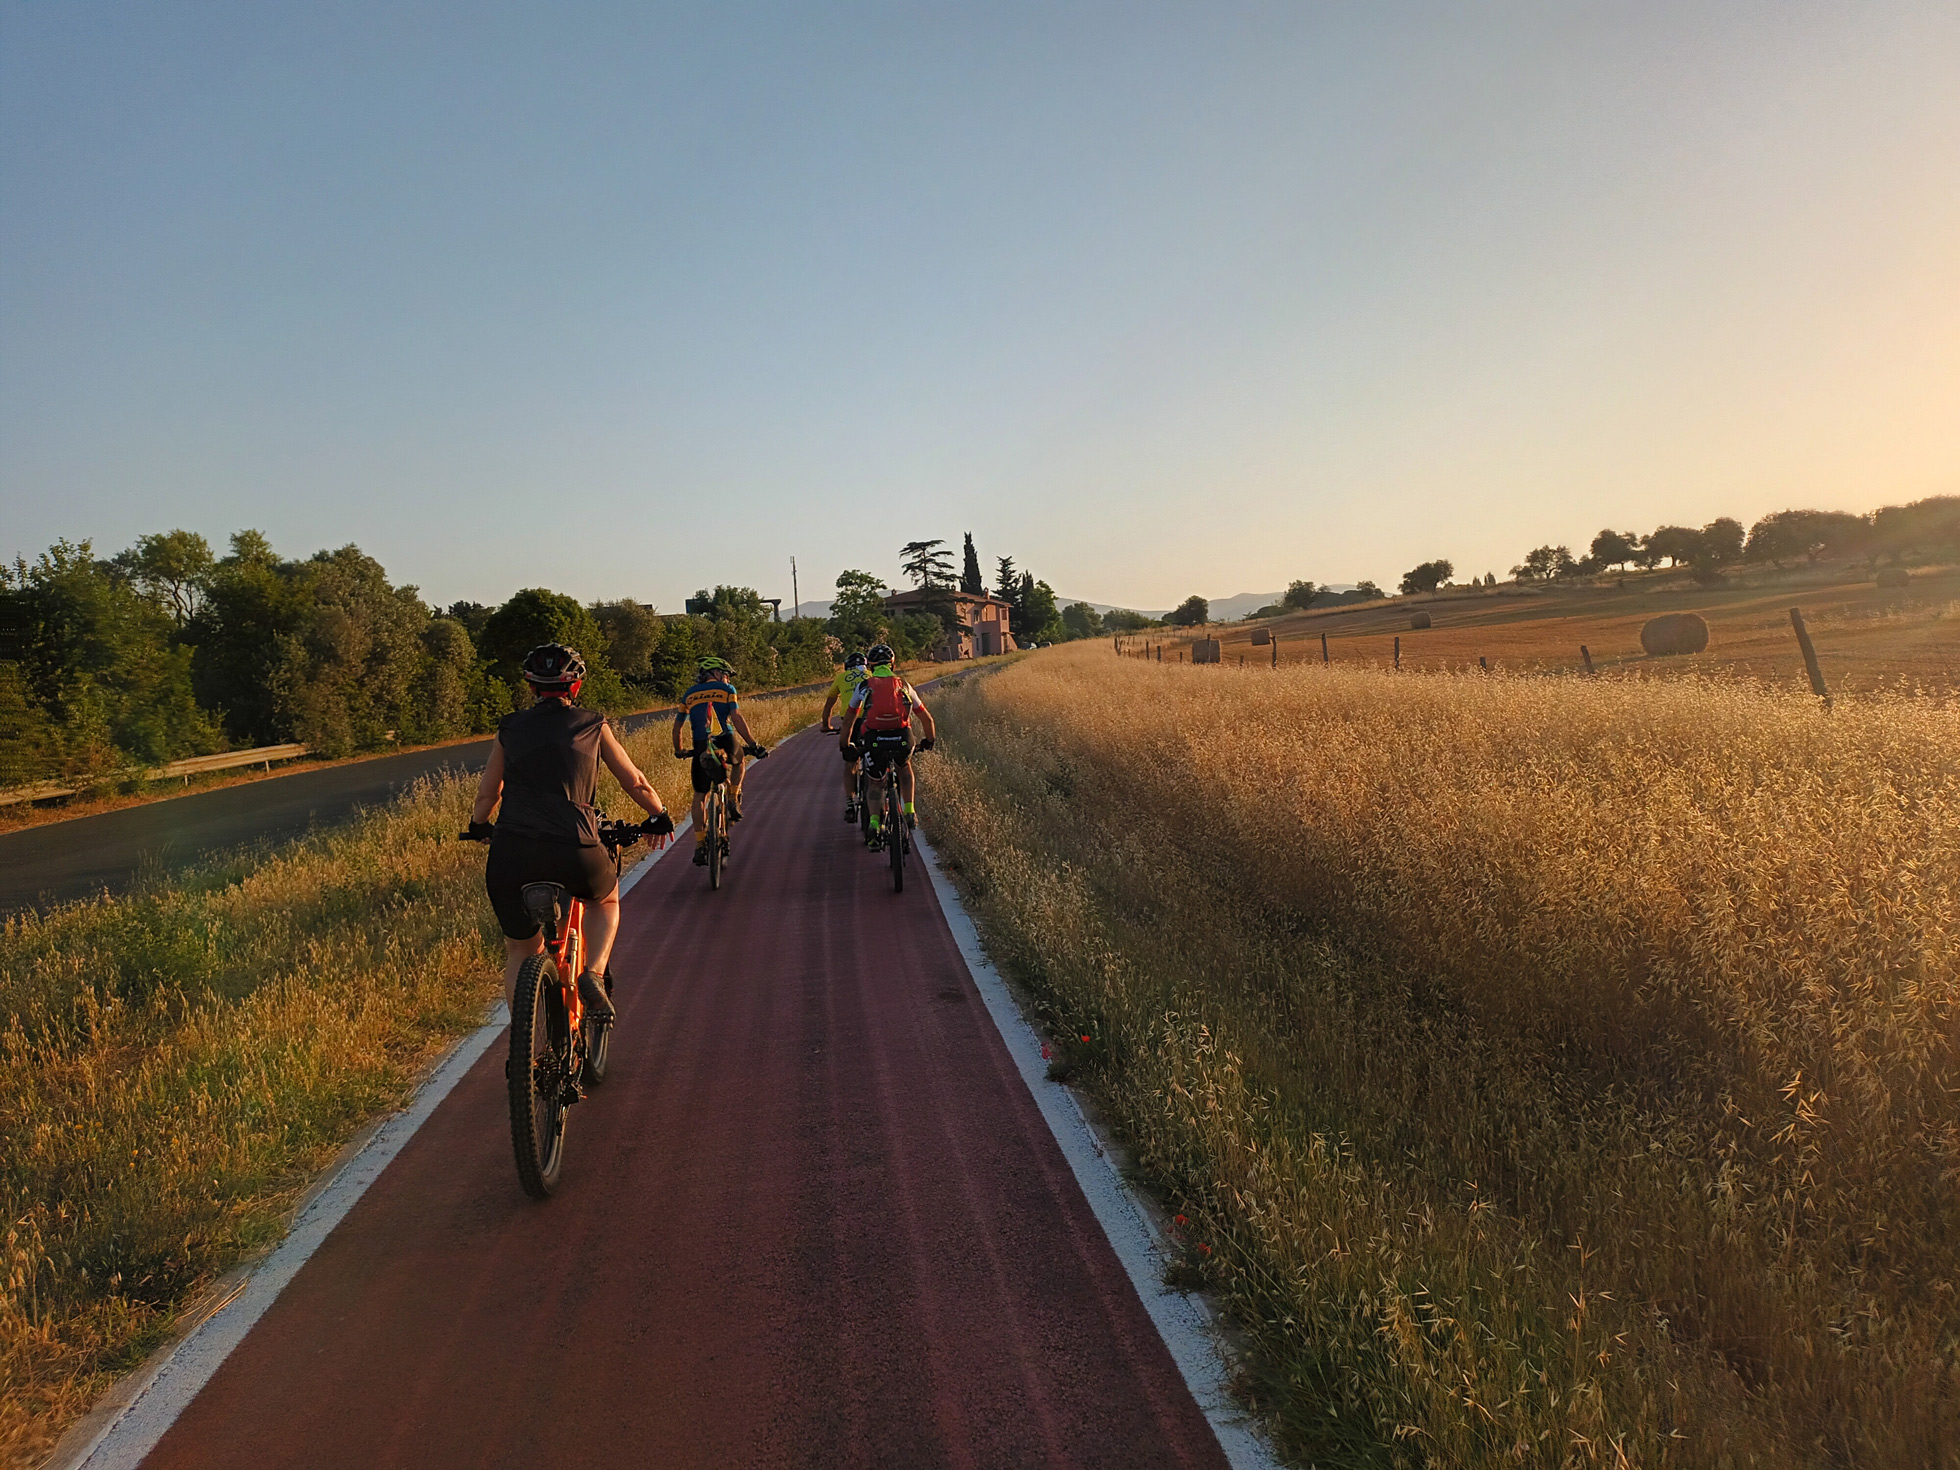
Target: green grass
{"x":179,"y":1063}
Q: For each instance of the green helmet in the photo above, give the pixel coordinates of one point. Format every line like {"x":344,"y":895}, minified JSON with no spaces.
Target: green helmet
{"x":710,"y":664}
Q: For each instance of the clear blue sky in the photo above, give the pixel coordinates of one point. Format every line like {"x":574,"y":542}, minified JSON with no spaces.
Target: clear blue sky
{"x":627,"y":299}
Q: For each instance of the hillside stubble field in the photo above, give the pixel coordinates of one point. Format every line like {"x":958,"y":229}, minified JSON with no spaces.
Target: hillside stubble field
{"x":1868,"y":637}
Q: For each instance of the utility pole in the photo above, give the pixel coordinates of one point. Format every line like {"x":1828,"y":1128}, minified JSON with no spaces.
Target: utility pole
{"x":793,"y":589}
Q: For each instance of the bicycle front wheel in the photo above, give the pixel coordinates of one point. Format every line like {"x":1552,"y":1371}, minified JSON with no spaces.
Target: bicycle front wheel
{"x":538,"y":1073}
{"x":895,"y":835}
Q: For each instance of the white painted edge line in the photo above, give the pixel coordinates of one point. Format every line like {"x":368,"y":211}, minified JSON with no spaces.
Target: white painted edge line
{"x":186,"y":1368}
{"x":1184,"y":1322}
{"x":163,"y":1389}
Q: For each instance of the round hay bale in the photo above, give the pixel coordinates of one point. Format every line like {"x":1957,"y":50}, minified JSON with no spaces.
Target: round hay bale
{"x":1674,"y":633}
{"x":1420,"y":620}
{"x":1893,"y":577}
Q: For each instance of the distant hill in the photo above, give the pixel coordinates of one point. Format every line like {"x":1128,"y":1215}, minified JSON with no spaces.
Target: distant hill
{"x":1223,"y":609}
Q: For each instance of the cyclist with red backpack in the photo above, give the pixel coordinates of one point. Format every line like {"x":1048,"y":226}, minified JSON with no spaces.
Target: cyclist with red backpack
{"x":878,"y":726}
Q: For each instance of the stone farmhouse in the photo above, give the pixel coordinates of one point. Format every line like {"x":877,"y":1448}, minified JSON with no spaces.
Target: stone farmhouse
{"x":982,"y":621}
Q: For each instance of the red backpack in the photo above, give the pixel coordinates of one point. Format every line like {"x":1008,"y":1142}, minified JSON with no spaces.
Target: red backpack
{"x":885,"y":704}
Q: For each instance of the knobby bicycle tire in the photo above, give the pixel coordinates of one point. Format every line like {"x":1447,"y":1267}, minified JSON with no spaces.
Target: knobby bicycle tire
{"x":540,"y":1054}
{"x":895,"y":833}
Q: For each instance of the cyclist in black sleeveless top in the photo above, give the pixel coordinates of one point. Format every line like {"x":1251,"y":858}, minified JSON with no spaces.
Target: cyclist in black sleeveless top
{"x":544,"y":765}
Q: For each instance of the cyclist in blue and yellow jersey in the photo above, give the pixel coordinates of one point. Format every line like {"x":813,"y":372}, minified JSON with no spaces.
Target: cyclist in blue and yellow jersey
{"x":879,"y":726}
{"x":710,"y":703}
{"x":841,"y":689}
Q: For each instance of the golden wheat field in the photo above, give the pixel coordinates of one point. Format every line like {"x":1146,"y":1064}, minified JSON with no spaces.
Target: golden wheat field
{"x":178,"y":1063}
{"x":1550,"y":1071}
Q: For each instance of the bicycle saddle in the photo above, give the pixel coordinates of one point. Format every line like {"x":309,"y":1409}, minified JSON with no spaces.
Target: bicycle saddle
{"x":546,"y":902}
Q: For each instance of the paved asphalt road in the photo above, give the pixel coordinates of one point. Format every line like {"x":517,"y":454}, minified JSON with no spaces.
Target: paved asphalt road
{"x":84,"y":856}
{"x":813,"y":1218}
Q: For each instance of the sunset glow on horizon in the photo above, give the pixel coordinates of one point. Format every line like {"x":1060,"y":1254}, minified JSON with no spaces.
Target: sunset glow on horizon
{"x":1157,"y":300}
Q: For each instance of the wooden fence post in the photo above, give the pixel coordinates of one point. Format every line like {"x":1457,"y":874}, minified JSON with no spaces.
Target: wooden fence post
{"x":1586,"y":654}
{"x":1323,"y":649}
{"x":1483,"y":663}
{"x":1275,"y":650}
{"x":1809,"y":657}
{"x":1398,"y":651}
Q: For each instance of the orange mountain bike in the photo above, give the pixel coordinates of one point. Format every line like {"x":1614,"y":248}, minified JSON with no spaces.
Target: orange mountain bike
{"x":557,"y":1050}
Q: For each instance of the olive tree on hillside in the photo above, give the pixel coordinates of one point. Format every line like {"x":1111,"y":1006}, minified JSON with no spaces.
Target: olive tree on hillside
{"x":1190,"y":613}
{"x":1677,"y":543}
{"x":1721,"y":542}
{"x":1612,"y":548}
{"x":1299,"y":595}
{"x":1428,"y":576}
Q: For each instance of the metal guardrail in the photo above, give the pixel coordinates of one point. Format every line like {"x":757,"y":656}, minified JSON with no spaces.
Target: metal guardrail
{"x":196,"y":765}
{"x":266,"y":754}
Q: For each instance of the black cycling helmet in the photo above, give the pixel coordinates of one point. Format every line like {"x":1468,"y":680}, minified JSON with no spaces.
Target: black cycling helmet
{"x":881,"y":653}
{"x":552,"y":668}
{"x":854,"y":660}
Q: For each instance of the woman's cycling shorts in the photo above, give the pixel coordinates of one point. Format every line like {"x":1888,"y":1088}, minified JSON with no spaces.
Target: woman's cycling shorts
{"x":583,"y":872}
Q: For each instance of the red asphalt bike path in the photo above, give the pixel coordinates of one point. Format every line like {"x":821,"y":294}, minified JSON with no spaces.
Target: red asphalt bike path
{"x":812,"y":1218}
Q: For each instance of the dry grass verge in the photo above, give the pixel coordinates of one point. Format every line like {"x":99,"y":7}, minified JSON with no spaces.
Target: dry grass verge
{"x":1553,"y":1071}
{"x":178,"y":1062}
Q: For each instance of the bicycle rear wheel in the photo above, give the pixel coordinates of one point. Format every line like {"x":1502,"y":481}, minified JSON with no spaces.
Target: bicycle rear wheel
{"x":895,"y":840}
{"x":598,"y":1040}
{"x":864,"y":809}
{"x":717,"y":839}
{"x":540,"y":1059}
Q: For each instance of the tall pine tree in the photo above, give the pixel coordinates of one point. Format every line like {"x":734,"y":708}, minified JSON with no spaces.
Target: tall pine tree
{"x":1007,"y":581}
{"x":970,"y":578}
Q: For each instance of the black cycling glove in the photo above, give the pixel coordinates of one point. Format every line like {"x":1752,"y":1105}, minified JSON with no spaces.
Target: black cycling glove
{"x":660,"y":826}
{"x":480,"y":831}
{"x":927,"y":743}
{"x":758,"y":751}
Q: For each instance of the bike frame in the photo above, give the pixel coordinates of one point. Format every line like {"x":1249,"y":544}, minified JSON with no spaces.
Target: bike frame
{"x":568,"y":954}
{"x":714,"y":813}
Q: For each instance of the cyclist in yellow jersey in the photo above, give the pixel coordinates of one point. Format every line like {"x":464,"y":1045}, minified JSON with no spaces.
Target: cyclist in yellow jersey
{"x":842,"y":690}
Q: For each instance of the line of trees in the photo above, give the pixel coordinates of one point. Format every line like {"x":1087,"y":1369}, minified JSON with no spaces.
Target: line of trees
{"x":167,"y":650}
{"x":1923,"y":530}
{"x":858,"y":614}
{"x":1920,"y":531}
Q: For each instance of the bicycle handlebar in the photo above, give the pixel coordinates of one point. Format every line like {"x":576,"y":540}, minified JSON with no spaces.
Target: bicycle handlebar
{"x":614,"y":834}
